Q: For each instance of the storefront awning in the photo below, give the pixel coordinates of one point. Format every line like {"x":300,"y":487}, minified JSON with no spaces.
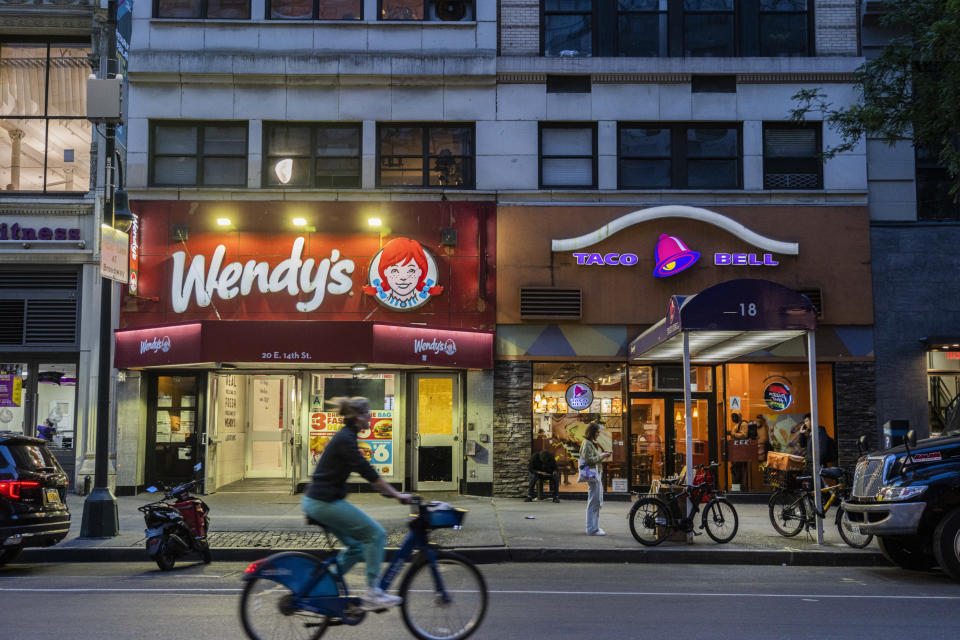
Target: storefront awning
{"x":727,"y":321}
{"x":302,"y":343}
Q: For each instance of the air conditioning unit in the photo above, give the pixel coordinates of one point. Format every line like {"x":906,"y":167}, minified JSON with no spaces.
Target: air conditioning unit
{"x":450,"y":10}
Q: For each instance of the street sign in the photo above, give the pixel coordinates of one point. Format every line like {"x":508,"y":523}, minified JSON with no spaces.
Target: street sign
{"x":114,"y":256}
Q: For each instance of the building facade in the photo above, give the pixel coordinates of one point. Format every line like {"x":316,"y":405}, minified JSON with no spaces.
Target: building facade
{"x":50,"y":215}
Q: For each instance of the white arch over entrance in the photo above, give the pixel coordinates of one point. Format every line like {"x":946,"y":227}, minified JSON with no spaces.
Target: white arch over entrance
{"x":676,"y":211}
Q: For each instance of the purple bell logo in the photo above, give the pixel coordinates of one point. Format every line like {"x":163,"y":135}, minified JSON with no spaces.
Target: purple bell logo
{"x":672,"y":256}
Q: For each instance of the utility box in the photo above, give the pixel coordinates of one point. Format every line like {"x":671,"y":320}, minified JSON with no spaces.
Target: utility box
{"x":103,"y":98}
{"x":895,"y":432}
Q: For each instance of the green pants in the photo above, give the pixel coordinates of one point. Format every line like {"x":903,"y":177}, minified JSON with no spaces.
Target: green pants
{"x":361,"y":534}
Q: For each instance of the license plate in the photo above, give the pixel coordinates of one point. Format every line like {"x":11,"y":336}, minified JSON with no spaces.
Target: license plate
{"x":52,"y":495}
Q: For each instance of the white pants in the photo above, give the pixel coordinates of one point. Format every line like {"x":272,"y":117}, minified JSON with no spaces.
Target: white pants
{"x":594,"y":502}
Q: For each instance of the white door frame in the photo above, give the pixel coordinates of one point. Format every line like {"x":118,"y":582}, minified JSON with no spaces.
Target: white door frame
{"x":288,"y":415}
{"x":454,"y":440}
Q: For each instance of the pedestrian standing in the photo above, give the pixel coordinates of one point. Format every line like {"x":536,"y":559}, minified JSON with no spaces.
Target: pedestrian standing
{"x":592,"y":456}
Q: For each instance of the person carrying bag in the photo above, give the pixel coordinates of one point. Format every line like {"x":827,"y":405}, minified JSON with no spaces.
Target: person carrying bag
{"x":591,"y":457}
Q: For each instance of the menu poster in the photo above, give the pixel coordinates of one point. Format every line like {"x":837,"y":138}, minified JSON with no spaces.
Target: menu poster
{"x":164,"y":400}
{"x":11,"y":385}
{"x":188,"y":420}
{"x":188,"y":401}
{"x":323,"y":424}
{"x":163,"y":426}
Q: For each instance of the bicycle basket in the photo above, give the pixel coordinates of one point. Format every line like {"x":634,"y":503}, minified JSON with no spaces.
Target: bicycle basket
{"x":441,"y":515}
{"x":781,"y":478}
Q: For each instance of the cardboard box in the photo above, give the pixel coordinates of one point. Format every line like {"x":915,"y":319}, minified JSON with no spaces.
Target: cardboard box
{"x":785,"y":461}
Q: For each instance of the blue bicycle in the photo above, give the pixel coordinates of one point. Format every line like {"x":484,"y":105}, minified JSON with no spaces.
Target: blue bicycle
{"x":296,"y":595}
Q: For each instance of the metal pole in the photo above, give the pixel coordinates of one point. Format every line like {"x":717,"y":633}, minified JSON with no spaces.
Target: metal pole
{"x":687,"y":419}
{"x":100,"y":508}
{"x":815,"y":430}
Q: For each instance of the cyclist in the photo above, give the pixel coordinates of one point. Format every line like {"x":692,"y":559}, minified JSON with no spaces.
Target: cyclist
{"x":325,"y":502}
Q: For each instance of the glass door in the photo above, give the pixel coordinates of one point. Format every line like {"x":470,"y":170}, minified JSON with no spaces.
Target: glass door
{"x":700,"y":408}
{"x":270,"y":428}
{"x":172,"y":428}
{"x":648,"y":440}
{"x":658,"y":435}
{"x":436,"y":429}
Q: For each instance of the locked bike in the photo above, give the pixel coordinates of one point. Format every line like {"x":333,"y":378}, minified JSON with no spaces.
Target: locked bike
{"x":297,"y":595}
{"x":653,"y":520}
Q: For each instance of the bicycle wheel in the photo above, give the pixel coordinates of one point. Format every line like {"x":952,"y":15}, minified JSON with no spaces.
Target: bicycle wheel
{"x":854,"y":538}
{"x":426,"y":614}
{"x":650,"y":521}
{"x":266,"y":612}
{"x":720,"y":520}
{"x":787,"y":512}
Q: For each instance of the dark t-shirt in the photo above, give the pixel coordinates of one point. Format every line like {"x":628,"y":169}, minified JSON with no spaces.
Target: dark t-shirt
{"x":340,"y":457}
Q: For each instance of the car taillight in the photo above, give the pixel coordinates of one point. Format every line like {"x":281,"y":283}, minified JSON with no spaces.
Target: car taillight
{"x":10,"y":489}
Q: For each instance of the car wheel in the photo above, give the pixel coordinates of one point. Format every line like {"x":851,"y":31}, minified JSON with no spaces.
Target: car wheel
{"x":946,"y":544}
{"x":8,"y":554}
{"x":906,"y":553}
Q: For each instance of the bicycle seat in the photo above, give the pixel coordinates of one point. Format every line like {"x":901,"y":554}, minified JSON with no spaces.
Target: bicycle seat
{"x":671,"y":481}
{"x":832,"y":473}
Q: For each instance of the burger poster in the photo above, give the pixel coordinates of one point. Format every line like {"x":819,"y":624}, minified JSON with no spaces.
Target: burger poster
{"x":375,"y":441}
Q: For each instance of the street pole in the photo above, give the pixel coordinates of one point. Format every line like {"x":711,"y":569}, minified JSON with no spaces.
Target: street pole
{"x":100,"y":508}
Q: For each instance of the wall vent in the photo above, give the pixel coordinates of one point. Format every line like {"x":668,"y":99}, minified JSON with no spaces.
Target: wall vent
{"x":542,"y":303}
{"x":816,"y":297}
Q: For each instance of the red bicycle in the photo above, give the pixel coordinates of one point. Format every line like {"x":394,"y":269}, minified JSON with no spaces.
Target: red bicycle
{"x":653,"y":520}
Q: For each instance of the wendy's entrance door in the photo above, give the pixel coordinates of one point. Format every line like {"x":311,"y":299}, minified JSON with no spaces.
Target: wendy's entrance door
{"x":437,"y":450}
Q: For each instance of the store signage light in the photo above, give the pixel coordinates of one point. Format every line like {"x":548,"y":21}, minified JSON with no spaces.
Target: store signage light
{"x":579,"y":396}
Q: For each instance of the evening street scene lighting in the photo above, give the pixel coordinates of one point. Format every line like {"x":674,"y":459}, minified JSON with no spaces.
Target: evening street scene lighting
{"x":657,"y":295}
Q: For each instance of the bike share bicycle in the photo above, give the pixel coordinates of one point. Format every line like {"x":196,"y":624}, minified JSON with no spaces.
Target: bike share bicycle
{"x":792,"y":506}
{"x":653,"y":520}
{"x":296,"y":595}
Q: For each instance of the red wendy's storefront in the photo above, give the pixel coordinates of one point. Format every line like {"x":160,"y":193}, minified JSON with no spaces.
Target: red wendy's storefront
{"x":248,"y":319}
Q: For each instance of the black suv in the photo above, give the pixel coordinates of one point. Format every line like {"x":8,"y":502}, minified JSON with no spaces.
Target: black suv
{"x":909,"y":497}
{"x":33,"y":491}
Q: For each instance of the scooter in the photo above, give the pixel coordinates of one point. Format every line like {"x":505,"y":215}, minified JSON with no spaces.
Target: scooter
{"x":176,"y":525}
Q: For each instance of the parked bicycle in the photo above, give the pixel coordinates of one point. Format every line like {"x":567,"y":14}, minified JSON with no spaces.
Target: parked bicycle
{"x":296,"y":595}
{"x":653,"y":520}
{"x":792,"y":507}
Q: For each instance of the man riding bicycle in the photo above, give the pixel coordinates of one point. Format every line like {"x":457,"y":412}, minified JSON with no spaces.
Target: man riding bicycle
{"x":325,"y":501}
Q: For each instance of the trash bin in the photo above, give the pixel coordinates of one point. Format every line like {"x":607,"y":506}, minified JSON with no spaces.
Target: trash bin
{"x":894,"y":432}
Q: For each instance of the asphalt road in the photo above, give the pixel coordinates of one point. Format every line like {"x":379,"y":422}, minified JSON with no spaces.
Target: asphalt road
{"x":527,"y":601}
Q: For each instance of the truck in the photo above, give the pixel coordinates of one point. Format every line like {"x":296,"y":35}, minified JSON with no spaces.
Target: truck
{"x":909,"y":498}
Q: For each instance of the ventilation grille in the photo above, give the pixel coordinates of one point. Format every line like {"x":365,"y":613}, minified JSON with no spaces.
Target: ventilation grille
{"x":791,"y":181}
{"x":547,"y":303}
{"x":33,"y":280}
{"x":816,"y":298}
{"x":11,"y":321}
{"x":38,"y":308}
{"x":51,"y":322}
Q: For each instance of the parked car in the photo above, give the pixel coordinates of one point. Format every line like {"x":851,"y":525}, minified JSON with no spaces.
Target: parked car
{"x":909,"y":497}
{"x":33,"y":491}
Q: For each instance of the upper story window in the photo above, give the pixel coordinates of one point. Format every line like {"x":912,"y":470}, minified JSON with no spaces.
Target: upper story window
{"x":934,"y":201}
{"x":791,"y":157}
{"x":430,"y":10}
{"x":315,"y":9}
{"x":665,"y":156}
{"x":691,"y":28}
{"x":318,"y":156}
{"x":202,"y":9}
{"x":45,"y":137}
{"x":414,"y":155}
{"x":568,"y":156}
{"x":190,"y":154}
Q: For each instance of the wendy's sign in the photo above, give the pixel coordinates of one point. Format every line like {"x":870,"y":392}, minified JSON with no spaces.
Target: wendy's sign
{"x":403,"y":275}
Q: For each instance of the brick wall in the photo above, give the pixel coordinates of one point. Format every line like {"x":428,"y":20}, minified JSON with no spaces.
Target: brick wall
{"x":519,"y":28}
{"x":836,"y":27}
{"x":856,"y":406}
{"x":512,"y":426}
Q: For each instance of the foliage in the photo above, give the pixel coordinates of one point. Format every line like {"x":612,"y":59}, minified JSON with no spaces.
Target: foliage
{"x":910,"y":90}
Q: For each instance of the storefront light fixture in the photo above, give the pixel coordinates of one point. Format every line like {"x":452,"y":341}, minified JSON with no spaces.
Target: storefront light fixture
{"x":375,"y":222}
{"x":223,"y":222}
{"x":299,"y":222}
{"x":357,"y":368}
{"x":284,"y":170}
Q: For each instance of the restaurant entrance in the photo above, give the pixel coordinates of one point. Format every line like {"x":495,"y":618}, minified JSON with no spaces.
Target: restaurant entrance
{"x":657,"y":434}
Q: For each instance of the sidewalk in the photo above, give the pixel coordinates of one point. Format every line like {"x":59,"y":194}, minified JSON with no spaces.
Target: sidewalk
{"x":247,"y":526}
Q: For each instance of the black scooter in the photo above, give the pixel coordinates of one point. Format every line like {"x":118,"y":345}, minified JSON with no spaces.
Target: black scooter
{"x":176,"y":525}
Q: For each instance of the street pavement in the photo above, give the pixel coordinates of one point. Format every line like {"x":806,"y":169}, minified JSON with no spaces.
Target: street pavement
{"x":559,"y":601}
{"x":246,"y":526}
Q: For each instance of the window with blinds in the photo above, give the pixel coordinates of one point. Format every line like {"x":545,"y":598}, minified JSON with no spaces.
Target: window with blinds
{"x":791,"y":157}
{"x":568,"y":156}
{"x":39,"y":309}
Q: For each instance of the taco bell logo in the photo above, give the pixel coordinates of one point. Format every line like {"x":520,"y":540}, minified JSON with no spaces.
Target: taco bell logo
{"x":435,"y":346}
{"x":155,"y":345}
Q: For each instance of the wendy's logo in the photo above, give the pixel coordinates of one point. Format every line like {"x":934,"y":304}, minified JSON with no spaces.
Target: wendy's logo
{"x":403,"y":275}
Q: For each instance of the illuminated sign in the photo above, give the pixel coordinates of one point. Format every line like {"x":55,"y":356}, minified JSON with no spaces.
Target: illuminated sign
{"x":403,"y":275}
{"x":579,"y":396}
{"x":672,"y":256}
{"x":744,"y":259}
{"x":777,"y":395}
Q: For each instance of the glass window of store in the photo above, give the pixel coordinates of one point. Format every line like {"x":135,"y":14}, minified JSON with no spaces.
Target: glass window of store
{"x":657,"y":434}
{"x":173,"y":427}
{"x":772,"y":400}
{"x":379,"y":443}
{"x":560,"y":429}
{"x":943,"y":390}
{"x":40,"y":399}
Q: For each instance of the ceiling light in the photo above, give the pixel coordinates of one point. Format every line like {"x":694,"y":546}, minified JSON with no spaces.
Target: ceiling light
{"x":359,"y":367}
{"x":223,"y":222}
{"x":284,"y":170}
{"x":299,"y":222}
{"x":374,"y":222}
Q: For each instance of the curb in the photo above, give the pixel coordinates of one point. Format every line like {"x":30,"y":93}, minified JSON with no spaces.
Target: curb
{"x":493,"y":555}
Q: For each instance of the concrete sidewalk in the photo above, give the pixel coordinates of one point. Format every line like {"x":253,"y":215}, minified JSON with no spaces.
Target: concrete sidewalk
{"x":247,"y":526}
